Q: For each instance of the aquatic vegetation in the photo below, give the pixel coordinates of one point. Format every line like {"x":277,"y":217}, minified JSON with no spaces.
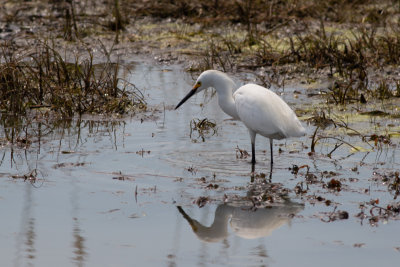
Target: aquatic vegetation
{"x":336,"y":215}
{"x":241,"y":153}
{"x":43,"y":79}
{"x":334,"y":184}
{"x":350,"y":41}
{"x":373,"y":212}
{"x":202,"y":201}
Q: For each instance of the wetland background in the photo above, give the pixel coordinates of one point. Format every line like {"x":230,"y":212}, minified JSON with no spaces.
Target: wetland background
{"x":97,"y":169}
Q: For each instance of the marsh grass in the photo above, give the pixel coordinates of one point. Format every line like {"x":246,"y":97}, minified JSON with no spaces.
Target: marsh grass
{"x":349,"y":57}
{"x":217,"y":55}
{"x":43,"y":78}
{"x":347,"y":39}
{"x":70,"y":26}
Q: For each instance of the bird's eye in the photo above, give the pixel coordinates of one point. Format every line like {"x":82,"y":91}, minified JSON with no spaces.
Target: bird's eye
{"x":197,"y":85}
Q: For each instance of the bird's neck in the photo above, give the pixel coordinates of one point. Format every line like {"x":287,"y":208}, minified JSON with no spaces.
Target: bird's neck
{"x":224,"y":90}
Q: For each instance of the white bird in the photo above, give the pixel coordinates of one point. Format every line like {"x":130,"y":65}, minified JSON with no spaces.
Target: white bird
{"x":261,"y":110}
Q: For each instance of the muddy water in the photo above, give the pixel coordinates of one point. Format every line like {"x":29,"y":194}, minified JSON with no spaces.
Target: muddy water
{"x":127,"y":192}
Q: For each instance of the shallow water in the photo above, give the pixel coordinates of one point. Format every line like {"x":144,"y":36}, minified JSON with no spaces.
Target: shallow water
{"x":124,"y":192}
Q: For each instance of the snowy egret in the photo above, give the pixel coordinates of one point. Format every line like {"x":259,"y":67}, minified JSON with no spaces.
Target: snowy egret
{"x":261,"y":110}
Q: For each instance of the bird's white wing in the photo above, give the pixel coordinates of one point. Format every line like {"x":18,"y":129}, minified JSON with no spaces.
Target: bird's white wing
{"x":265,"y":113}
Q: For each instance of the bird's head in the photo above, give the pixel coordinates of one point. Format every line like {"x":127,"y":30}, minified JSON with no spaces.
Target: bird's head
{"x":203,"y":82}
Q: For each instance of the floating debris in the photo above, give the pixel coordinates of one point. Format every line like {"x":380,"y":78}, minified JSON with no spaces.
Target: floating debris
{"x":241,"y":153}
{"x":334,"y":184}
{"x":212,"y":186}
{"x":204,"y":128}
{"x":69,"y":164}
{"x":134,"y":216}
{"x":67,"y":152}
{"x":143,"y":152}
{"x":202,"y":201}
{"x":359,"y":245}
{"x":192,"y":170}
{"x":109,"y":211}
{"x":31,"y":176}
{"x":375,"y":113}
{"x":336,"y":215}
{"x":380,"y":139}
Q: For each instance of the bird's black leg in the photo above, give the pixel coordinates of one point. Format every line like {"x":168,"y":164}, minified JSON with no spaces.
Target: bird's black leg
{"x":272,"y":154}
{"x":270,"y":176}
{"x":253,"y":153}
{"x":252,"y":173}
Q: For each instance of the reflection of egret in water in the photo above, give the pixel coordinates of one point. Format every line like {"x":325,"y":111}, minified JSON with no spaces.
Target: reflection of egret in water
{"x":244,"y":221}
{"x":80,"y":254}
{"x":25,"y":252}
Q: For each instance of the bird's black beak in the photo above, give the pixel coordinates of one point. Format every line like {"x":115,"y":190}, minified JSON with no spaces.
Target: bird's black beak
{"x":192,"y":92}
